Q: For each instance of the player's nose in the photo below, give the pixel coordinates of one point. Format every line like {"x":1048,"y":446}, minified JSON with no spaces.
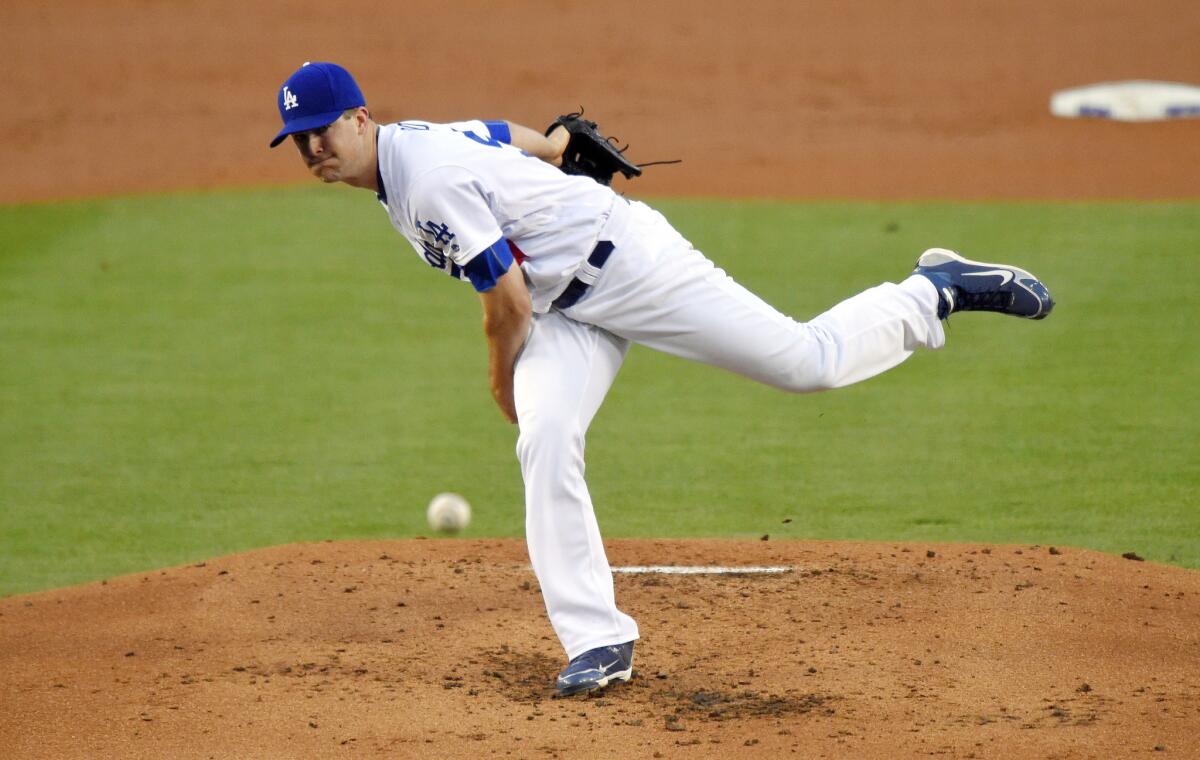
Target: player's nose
{"x":313,"y":145}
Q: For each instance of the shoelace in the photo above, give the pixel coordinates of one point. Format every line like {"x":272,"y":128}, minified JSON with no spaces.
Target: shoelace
{"x":594,"y":659}
{"x":987,"y":300}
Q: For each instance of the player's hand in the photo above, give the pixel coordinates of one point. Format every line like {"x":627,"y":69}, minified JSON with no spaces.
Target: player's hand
{"x":589,"y":152}
{"x":558,"y":139}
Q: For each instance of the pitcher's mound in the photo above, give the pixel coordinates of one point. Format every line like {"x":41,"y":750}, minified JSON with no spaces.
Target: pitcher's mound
{"x":442,"y":649}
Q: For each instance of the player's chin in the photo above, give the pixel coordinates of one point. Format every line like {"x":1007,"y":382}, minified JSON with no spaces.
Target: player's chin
{"x":327,"y":174}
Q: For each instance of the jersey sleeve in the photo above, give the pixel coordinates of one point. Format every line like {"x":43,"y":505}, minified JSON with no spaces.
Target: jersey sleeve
{"x":454,"y":221}
{"x":499,"y":130}
{"x":488,"y":129}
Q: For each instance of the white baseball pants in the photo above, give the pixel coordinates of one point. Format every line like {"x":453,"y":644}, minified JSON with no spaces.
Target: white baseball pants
{"x":657,"y":290}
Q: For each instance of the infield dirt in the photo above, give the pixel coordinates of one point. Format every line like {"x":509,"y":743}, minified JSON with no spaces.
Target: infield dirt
{"x":441,"y":648}
{"x":433,"y":648}
{"x":874,"y":99}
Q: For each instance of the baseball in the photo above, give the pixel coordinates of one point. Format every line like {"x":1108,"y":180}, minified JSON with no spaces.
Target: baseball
{"x":448,"y":513}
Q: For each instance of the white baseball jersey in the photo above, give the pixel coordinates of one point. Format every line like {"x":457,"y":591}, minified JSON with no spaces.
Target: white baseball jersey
{"x":454,"y":191}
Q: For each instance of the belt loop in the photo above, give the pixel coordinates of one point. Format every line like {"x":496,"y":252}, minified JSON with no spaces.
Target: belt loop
{"x":601,"y":253}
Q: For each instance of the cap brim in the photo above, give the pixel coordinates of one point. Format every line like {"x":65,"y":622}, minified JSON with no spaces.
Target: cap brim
{"x":305,"y":122}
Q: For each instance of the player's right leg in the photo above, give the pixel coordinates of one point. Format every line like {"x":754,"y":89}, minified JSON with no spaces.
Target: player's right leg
{"x":656,"y":289}
{"x":560,"y":380}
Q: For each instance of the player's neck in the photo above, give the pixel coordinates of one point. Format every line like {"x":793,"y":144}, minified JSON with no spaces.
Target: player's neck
{"x":368,"y":178}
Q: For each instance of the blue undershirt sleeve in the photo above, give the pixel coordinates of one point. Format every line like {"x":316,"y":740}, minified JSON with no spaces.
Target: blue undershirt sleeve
{"x":499,"y":131}
{"x":488,"y":265}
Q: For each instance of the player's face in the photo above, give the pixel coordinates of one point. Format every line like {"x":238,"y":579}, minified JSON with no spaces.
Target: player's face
{"x":330,"y":152}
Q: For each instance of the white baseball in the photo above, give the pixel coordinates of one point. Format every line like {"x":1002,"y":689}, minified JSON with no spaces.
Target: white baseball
{"x":448,"y":513}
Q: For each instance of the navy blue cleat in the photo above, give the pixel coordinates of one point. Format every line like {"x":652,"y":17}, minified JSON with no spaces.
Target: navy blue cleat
{"x":965,"y":285}
{"x":595,"y":669}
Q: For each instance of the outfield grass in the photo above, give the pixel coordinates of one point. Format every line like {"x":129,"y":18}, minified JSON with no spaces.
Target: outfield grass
{"x":188,"y":376}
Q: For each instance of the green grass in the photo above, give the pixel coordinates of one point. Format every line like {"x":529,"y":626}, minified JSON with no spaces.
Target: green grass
{"x":187,"y":376}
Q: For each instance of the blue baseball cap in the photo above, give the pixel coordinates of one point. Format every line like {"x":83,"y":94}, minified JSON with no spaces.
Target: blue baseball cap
{"x":314,"y":96}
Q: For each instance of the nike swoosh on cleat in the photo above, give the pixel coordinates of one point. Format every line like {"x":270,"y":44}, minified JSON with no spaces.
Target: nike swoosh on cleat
{"x":1007,"y":275}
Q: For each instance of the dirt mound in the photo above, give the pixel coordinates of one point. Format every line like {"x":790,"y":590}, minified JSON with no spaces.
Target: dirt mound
{"x":441,"y":649}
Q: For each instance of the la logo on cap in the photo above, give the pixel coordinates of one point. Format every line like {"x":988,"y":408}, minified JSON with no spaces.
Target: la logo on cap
{"x":289,"y":100}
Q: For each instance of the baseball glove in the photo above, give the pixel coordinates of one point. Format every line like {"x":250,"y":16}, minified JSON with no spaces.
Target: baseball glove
{"x":590,"y":153}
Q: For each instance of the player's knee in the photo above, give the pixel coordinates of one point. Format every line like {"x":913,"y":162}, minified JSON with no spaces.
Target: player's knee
{"x":814,"y":380}
{"x":816,"y":366}
{"x":804,"y":384}
{"x":811,"y":375}
{"x":543,"y":436}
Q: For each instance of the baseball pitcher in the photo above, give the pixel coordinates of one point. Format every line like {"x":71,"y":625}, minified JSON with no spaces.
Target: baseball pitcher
{"x":569,"y":275}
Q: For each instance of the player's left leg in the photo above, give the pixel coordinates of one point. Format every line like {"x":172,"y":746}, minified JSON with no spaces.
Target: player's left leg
{"x":560,"y":380}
